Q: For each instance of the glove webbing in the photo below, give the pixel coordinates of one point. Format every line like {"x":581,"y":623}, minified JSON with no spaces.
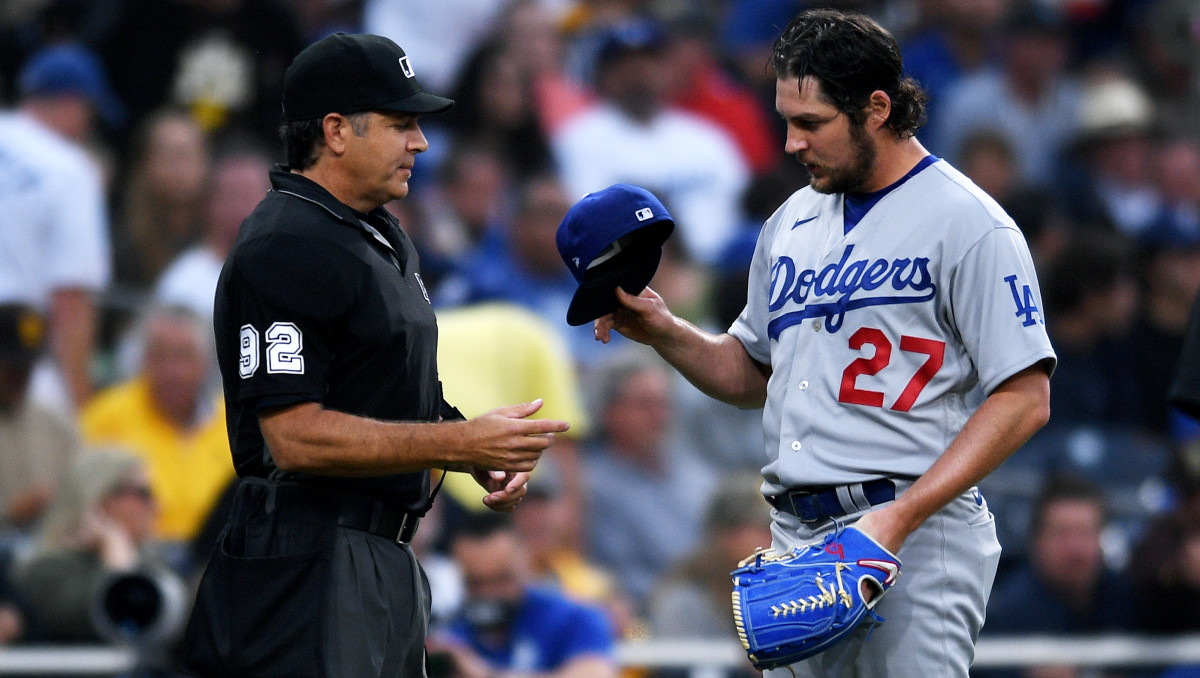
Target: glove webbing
{"x":828,"y":596}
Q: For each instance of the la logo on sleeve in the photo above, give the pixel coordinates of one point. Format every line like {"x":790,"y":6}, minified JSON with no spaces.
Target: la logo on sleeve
{"x":1024,"y":299}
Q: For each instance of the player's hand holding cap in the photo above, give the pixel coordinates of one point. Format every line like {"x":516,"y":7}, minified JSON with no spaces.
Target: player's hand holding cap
{"x":611,"y":237}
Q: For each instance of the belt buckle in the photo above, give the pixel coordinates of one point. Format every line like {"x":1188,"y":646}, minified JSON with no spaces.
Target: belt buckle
{"x":408,"y":528}
{"x":808,"y":510}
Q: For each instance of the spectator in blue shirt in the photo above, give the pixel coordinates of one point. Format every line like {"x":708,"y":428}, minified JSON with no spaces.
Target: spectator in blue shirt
{"x":509,"y":626}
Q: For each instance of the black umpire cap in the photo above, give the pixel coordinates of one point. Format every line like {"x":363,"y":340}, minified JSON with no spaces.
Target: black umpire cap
{"x":354,"y":73}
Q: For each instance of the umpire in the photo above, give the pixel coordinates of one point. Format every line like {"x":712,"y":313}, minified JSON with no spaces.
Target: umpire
{"x":327,"y":346}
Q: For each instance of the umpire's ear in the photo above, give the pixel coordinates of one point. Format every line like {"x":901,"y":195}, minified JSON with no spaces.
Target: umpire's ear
{"x":336,"y":127}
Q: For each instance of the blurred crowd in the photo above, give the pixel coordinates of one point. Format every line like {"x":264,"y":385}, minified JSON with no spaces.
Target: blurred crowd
{"x":137,"y":134}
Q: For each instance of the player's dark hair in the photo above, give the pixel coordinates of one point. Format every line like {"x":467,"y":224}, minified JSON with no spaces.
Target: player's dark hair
{"x":303,"y":139}
{"x":851,"y":56}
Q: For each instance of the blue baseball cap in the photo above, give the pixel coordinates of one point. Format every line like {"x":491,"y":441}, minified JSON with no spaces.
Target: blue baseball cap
{"x":611,"y":237}
{"x":71,"y":69}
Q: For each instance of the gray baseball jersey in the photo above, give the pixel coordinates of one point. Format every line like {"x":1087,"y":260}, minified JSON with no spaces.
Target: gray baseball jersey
{"x":884,"y":339}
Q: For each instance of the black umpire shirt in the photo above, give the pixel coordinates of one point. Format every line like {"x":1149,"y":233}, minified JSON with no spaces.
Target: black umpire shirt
{"x":320,"y":303}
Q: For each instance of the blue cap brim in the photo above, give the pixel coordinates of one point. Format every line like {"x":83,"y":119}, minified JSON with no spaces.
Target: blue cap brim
{"x":632,"y":270}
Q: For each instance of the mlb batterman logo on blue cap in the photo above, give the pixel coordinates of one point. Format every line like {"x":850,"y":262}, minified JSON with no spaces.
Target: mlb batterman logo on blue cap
{"x":611,"y":237}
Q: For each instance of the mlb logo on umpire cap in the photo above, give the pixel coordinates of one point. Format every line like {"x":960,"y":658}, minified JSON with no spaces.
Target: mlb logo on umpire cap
{"x":611,"y":237}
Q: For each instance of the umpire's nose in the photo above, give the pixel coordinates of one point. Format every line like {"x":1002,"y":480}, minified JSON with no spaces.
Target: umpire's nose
{"x":417,"y":143}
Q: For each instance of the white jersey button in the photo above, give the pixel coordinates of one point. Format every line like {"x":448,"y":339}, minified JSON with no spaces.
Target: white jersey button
{"x":796,"y":445}
{"x":816,"y":326}
{"x":804,"y":385}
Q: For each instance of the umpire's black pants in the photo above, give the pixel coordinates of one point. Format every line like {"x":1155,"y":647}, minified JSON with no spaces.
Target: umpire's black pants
{"x":288,"y":593}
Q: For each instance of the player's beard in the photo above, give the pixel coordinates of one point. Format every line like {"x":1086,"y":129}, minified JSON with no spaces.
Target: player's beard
{"x":852,"y":177}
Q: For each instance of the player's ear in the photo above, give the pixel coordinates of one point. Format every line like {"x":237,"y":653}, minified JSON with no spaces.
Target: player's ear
{"x":879,"y":107}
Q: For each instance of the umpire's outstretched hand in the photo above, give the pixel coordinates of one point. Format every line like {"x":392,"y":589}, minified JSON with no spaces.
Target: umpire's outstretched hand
{"x":644,"y":318}
{"x":505,"y":440}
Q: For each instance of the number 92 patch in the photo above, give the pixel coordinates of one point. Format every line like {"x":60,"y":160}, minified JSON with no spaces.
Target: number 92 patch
{"x":284,"y":350}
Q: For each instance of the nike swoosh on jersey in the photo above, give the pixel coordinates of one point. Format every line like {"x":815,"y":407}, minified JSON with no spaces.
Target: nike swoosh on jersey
{"x":804,"y":221}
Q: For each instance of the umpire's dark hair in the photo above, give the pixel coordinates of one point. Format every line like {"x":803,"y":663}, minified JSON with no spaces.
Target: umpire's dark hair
{"x":851,"y":56}
{"x":303,"y":139}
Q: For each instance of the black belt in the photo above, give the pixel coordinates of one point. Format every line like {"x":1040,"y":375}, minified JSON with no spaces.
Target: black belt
{"x":813,"y":505}
{"x":355,"y":511}
{"x":370,"y":515}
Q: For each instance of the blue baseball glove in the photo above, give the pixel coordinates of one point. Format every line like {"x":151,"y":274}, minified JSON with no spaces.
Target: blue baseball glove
{"x":793,"y":605}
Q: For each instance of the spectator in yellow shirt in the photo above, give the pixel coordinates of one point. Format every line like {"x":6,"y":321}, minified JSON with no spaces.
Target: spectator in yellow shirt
{"x":166,"y":415}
